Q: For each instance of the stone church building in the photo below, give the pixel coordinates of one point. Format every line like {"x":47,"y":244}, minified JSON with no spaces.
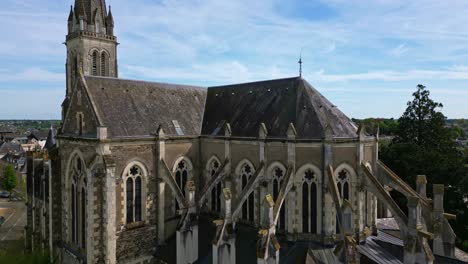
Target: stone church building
{"x":146,"y":172}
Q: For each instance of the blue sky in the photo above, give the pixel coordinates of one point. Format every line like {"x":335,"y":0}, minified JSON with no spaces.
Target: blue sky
{"x":366,"y":56}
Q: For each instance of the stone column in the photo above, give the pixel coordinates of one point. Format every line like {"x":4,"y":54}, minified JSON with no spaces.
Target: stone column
{"x":444,"y":238}
{"x":290,"y":204}
{"x":291,"y":210}
{"x":224,"y":251}
{"x":187,"y":235}
{"x":110,"y":239}
{"x":360,"y":202}
{"x":161,"y":210}
{"x":329,"y":212}
{"x":421,"y":183}
{"x":160,"y":154}
{"x":416,"y":248}
{"x":262,"y":135}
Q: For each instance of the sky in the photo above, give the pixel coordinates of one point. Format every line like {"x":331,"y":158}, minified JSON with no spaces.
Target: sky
{"x":365,"y":56}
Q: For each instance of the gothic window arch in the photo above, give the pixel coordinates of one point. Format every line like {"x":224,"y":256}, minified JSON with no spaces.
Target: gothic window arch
{"x":246,"y":170}
{"x":95,"y":63}
{"x":182,"y":173}
{"x":213,"y":167}
{"x":344,"y":175}
{"x":104,"y":60}
{"x":78,"y":201}
{"x":308,"y":184}
{"x":133,"y":181}
{"x":277,"y":173}
{"x":343,"y":182}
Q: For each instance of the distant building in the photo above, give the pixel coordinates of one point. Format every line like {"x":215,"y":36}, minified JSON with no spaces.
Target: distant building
{"x":138,"y":166}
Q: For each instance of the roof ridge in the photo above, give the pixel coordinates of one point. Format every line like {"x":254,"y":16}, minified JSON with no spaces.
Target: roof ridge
{"x":255,"y":82}
{"x":143,"y":81}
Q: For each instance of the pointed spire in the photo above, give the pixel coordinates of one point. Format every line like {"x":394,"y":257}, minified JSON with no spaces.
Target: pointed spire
{"x":70,"y":17}
{"x":80,"y":10}
{"x":110,"y":18}
{"x":50,"y":142}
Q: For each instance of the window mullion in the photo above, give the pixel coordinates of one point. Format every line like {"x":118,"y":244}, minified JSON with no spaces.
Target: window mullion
{"x":133,"y":200}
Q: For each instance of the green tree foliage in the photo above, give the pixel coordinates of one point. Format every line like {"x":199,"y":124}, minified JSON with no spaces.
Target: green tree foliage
{"x":387,"y":127}
{"x":423,"y":144}
{"x":9,"y":178}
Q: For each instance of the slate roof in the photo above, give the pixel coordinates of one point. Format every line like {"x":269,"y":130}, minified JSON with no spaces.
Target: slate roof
{"x":10,"y":147}
{"x":137,"y":108}
{"x":50,"y":142}
{"x":275,"y":103}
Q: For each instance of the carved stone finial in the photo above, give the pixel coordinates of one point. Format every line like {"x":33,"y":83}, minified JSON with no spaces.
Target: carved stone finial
{"x":227,"y":130}
{"x":262,"y":132}
{"x":438,"y":188}
{"x":291,"y":132}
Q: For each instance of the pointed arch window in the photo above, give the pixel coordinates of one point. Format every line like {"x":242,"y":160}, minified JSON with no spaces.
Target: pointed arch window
{"x":94,"y":63}
{"x":343,"y":184}
{"x":248,"y":206}
{"x":133,"y":186}
{"x":181,"y":177}
{"x":104,"y":64}
{"x":278,"y":179}
{"x":216,"y":191}
{"x":78,"y":203}
{"x":309,"y":202}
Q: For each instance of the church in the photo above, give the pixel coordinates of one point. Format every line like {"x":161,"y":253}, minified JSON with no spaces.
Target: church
{"x":260,"y":172}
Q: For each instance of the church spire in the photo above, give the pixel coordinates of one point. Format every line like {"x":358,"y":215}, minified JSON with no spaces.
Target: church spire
{"x":70,"y":16}
{"x":110,"y":23}
{"x":91,"y":43}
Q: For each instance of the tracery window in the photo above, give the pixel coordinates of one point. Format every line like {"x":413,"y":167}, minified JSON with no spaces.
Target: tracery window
{"x":78,"y":202}
{"x":216,"y":191}
{"x":278,"y":179}
{"x":181,"y":177}
{"x":133,"y":192}
{"x":309,"y":202}
{"x":343,"y":184}
{"x":248,"y":206}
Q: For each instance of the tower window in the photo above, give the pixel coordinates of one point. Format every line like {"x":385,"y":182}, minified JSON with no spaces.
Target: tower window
{"x":94,"y":66}
{"x":104,"y":64}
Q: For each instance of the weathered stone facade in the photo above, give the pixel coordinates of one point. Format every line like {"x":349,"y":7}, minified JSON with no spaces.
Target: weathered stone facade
{"x":137,"y":162}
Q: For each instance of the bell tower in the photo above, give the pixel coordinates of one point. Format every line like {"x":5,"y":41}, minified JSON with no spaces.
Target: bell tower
{"x":91,"y":43}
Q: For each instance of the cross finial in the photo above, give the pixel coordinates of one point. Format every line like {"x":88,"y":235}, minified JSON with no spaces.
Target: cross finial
{"x":300,"y":65}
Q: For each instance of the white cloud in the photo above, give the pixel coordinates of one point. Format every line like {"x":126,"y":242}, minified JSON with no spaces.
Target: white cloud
{"x":399,"y":50}
{"x":31,"y":75}
{"x":391,"y":75}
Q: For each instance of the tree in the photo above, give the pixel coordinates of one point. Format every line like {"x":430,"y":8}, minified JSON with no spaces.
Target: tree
{"x":423,"y":124}
{"x":9,"y":181}
{"x":423,"y":144}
